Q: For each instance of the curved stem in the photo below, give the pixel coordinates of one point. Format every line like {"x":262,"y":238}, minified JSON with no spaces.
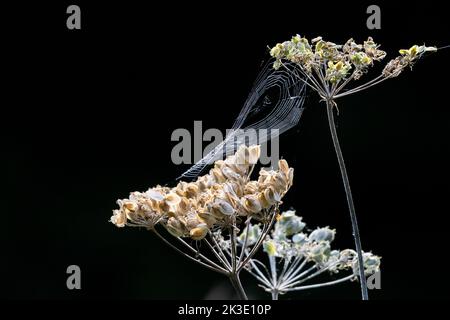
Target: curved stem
{"x":348,"y":192}
{"x":274,"y":294}
{"x":324,"y":284}
{"x":260,"y":241}
{"x":188,"y":256}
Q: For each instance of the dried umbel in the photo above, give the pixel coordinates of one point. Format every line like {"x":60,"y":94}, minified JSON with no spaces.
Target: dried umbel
{"x":214,"y":200}
{"x":328,"y":68}
{"x":211,"y":210}
{"x":296,"y":257}
{"x":326,"y":64}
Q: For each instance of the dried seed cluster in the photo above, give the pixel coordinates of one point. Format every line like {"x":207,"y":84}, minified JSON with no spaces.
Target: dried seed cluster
{"x":338,"y":60}
{"x":215,"y":199}
{"x":289,"y":240}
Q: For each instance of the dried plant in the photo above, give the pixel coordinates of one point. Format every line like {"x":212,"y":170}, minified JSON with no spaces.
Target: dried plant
{"x":328,"y":69}
{"x":218,"y":208}
{"x":296,"y":256}
{"x":211,"y":209}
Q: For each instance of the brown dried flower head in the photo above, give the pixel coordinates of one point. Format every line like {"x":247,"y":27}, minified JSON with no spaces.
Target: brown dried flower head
{"x":192,"y":209}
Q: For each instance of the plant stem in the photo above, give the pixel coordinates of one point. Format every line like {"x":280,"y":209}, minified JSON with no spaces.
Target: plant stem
{"x":236,"y":282}
{"x":274,"y":295}
{"x":320,"y":285}
{"x":348,"y":192}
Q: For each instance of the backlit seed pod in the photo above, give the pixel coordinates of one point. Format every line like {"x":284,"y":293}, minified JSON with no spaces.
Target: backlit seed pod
{"x":232,"y":199}
{"x":279,"y":183}
{"x":262,"y":200}
{"x":201,"y":183}
{"x":264,"y":176}
{"x":130,"y":206}
{"x":191,"y":190}
{"x":206,"y":217}
{"x":289,"y":223}
{"x":271,"y":196}
{"x":152,"y":204}
{"x":134,"y":215}
{"x":283,"y":166}
{"x":230,"y":174}
{"x":154,"y":195}
{"x":322,"y":234}
{"x":347,"y":256}
{"x":119,"y":218}
{"x":320,"y":252}
{"x":172,"y":199}
{"x":299,"y":239}
{"x":217,"y":174}
{"x":240,"y":169}
{"x":242,"y":155}
{"x":233,"y":188}
{"x":191,"y":220}
{"x":163,"y":207}
{"x":251,"y":204}
{"x":175,"y":227}
{"x":180,"y":188}
{"x":183,"y":206}
{"x":199,"y":232}
{"x":371,"y":263}
{"x":251,"y":187}
{"x":224,"y":207}
{"x":254,"y":154}
{"x":290,"y":176}
{"x":270,"y":247}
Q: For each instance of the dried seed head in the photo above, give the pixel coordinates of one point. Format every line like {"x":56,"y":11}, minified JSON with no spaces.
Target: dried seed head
{"x":215,"y":199}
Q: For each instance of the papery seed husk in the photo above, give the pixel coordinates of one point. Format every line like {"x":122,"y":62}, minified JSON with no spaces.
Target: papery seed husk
{"x":154,"y":195}
{"x":199,"y":232}
{"x":172,"y":199}
{"x":254,"y":154}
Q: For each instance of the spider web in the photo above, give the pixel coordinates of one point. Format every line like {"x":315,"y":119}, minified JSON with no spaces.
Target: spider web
{"x":275,"y":104}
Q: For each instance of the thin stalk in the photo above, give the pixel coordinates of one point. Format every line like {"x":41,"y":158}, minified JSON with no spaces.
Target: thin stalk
{"x":365,"y":86}
{"x":244,"y":245}
{"x":211,"y":235}
{"x":294,"y":271}
{"x":324,"y":284}
{"x":292,"y":279}
{"x":259,"y":275}
{"x":234,"y":278}
{"x":218,"y":256}
{"x":348,"y":192}
{"x":260,"y":241}
{"x":197,"y":253}
{"x":274,"y":294}
{"x":220,"y":270}
{"x":233,"y":248}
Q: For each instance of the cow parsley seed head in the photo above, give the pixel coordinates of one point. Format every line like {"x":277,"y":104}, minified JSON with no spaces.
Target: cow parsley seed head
{"x":327,"y":67}
{"x":296,"y":257}
{"x":192,"y":209}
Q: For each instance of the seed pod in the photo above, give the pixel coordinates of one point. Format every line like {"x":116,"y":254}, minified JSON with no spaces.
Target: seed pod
{"x":175,"y":227}
{"x":119,"y":218}
{"x":251,"y":204}
{"x":172,"y":199}
{"x":199,"y":232}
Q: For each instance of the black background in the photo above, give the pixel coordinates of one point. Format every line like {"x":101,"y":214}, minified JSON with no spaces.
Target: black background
{"x":88,"y":115}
